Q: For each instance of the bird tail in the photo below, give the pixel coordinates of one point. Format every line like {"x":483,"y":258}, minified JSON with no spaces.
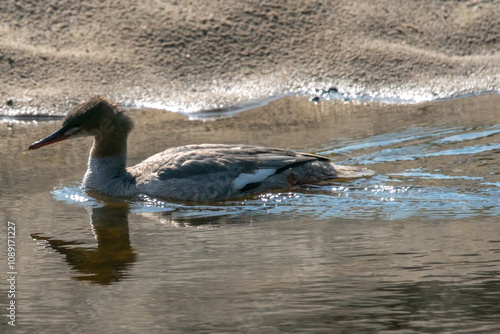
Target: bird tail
{"x":352,"y":172}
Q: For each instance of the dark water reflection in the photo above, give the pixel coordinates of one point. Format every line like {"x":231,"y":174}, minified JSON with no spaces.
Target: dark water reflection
{"x":415,"y":249}
{"x":113,"y":254}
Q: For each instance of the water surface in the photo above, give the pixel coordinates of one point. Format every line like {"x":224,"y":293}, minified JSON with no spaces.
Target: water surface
{"x":414,"y":249}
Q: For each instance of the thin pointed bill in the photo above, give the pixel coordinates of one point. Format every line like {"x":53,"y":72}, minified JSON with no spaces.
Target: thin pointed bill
{"x":57,"y":136}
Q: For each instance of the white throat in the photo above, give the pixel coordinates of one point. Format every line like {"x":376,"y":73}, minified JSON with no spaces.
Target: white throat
{"x":109,"y":176}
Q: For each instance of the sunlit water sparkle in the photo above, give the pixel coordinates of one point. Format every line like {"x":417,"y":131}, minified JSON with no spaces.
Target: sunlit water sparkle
{"x":393,"y":196}
{"x":414,"y":249}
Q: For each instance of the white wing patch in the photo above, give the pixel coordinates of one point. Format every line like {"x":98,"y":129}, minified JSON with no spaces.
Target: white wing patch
{"x":243,"y":179}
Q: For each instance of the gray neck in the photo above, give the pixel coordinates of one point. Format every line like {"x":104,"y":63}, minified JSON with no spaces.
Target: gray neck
{"x":109,"y":176}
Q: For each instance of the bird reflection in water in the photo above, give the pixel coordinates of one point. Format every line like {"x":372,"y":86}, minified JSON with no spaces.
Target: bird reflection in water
{"x":109,"y":262}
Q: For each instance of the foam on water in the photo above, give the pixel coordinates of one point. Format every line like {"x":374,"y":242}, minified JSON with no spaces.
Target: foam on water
{"x":221,"y":98}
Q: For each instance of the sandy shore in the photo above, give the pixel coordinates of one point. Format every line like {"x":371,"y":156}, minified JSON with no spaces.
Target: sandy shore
{"x":189,"y":56}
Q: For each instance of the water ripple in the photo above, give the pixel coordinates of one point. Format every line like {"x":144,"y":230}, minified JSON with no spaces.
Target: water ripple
{"x":413,"y":191}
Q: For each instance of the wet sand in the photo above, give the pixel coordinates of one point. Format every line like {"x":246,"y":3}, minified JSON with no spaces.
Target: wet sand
{"x":194,"y":56}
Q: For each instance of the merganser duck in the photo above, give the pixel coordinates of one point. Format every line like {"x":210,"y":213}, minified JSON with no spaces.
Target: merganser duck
{"x":208,"y":172}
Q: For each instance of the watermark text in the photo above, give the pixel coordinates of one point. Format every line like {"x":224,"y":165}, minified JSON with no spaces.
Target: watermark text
{"x":11,"y":273}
